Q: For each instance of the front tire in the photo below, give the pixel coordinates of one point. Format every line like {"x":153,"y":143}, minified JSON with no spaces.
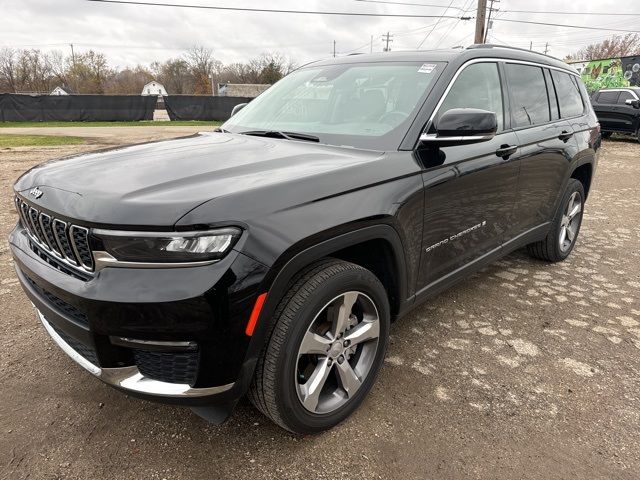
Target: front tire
{"x":326,"y":348}
{"x":565,"y":226}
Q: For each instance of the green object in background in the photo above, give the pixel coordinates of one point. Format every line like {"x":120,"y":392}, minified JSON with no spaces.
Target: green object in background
{"x":8,"y":141}
{"x":604,"y":74}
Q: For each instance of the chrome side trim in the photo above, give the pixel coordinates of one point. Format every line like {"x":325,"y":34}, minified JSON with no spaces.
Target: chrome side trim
{"x":130,"y":378}
{"x":495,"y":60}
{"x":432,"y":138}
{"x":105,"y":259}
{"x":153,"y":344}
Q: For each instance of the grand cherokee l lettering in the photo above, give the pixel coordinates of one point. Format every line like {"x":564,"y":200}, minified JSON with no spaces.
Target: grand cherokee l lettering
{"x":269,"y":258}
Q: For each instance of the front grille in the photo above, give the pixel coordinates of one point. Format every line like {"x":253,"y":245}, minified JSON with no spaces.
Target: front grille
{"x":67,"y":243}
{"x":63,"y":307}
{"x":172,"y":367}
{"x":84,"y":350}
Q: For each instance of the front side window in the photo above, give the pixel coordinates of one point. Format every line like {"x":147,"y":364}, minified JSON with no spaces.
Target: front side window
{"x":477,"y":86}
{"x":568,"y":94}
{"x":624,"y":96}
{"x":530,"y":102}
{"x":364,"y":105}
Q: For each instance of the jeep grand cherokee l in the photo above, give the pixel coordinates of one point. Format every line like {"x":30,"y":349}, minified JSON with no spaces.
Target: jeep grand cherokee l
{"x":269,"y":258}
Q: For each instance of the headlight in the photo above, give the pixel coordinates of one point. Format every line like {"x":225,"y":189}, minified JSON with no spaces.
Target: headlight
{"x":166,"y":247}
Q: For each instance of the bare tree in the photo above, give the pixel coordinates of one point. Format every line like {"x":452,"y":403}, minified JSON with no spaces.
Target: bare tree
{"x":175,"y":75}
{"x":8,"y":60}
{"x":204,"y":68}
{"x":615,"y":47}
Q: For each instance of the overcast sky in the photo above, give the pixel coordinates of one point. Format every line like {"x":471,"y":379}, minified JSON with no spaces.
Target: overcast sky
{"x":130,"y":34}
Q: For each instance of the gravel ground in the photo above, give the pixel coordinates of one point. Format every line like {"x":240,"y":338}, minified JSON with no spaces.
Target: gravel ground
{"x":525,"y":370}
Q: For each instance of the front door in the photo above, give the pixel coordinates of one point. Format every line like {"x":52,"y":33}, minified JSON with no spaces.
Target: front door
{"x":470,"y":190}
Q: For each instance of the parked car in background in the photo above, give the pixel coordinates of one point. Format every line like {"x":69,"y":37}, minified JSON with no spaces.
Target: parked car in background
{"x":270,"y":257}
{"x":618,"y":110}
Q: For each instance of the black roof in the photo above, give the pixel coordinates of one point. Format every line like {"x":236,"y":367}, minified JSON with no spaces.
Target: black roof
{"x":450,"y":55}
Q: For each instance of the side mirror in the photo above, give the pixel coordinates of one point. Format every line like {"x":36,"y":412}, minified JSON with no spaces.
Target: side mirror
{"x":462,"y":126}
{"x":632,"y":102}
{"x":237,"y":108}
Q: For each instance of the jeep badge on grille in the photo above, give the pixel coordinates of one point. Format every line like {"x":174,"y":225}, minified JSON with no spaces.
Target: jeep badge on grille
{"x":35,"y":192}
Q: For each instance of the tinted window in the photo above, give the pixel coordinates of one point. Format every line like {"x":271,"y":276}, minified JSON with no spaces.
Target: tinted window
{"x":568,"y":95}
{"x":478,"y":86}
{"x":624,"y":96}
{"x":529,"y":95}
{"x":608,"y":97}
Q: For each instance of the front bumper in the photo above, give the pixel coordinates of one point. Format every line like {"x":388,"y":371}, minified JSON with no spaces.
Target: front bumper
{"x":206,"y":307}
{"x":130,"y":378}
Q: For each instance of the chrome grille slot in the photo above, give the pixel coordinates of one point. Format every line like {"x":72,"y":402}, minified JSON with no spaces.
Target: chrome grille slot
{"x":67,"y":243}
{"x":60,"y":232}
{"x":80,"y":241}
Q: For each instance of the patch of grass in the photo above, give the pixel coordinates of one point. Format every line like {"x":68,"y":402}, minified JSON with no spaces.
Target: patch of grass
{"x":144,"y":123}
{"x":7,"y":141}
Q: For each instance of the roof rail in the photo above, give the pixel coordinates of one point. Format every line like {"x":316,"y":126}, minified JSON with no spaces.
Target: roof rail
{"x":492,"y":45}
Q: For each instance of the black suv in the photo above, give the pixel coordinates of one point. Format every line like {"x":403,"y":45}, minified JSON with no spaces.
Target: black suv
{"x":618,"y":110}
{"x":269,"y":258}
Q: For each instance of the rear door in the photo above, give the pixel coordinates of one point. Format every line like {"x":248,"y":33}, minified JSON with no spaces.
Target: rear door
{"x":470,"y":190}
{"x":546,"y":141}
{"x":606,"y":107}
{"x":626,"y":115}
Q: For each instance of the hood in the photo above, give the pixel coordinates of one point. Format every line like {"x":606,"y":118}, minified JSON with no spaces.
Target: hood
{"x":154,"y":184}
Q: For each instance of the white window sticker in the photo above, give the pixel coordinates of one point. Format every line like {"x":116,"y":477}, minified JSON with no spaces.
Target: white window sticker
{"x":427,"y":68}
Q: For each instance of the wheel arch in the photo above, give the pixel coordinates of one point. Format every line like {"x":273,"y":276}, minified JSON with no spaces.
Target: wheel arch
{"x":584,"y":174}
{"x":343,"y":246}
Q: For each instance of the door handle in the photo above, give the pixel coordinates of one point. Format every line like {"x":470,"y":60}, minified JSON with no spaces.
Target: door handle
{"x":564,"y":136}
{"x":505,"y":151}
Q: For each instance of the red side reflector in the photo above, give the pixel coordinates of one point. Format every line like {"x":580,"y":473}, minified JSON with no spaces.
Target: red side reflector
{"x":255,"y":313}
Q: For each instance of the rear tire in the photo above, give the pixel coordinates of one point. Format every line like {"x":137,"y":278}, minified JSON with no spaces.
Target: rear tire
{"x":309,"y":346}
{"x":565,"y":226}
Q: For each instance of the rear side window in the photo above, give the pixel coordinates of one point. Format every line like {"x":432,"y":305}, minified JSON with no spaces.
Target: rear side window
{"x":624,"y":96}
{"x":569,"y":97}
{"x":477,"y":86}
{"x":608,"y":97}
{"x":530,"y":103}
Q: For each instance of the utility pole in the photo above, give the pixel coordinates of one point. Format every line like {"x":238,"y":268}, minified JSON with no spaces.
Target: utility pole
{"x":371,"y":45}
{"x":480,"y":19}
{"x":489,"y":24}
{"x":334,"y":49}
{"x":531,"y":45}
{"x":388,"y":38}
{"x":546,"y":48}
{"x":73,"y":55}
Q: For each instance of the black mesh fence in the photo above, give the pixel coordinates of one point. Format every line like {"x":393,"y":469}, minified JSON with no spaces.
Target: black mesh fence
{"x":199,"y":107}
{"x":79,"y":108}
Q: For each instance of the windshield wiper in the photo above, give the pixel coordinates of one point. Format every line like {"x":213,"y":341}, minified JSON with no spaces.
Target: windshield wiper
{"x":285,"y":135}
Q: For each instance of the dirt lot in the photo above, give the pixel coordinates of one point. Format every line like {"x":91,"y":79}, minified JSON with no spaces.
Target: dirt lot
{"x":526,"y":370}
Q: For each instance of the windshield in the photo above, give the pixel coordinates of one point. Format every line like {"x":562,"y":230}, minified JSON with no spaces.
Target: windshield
{"x":363,"y":105}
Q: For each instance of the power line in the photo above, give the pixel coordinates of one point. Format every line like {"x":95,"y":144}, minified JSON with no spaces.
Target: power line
{"x":263,"y":10}
{"x":466,"y":7}
{"x":563,"y":25}
{"x":434,"y":27}
{"x":542,"y":12}
{"x":551,"y":12}
{"x":409,"y":3}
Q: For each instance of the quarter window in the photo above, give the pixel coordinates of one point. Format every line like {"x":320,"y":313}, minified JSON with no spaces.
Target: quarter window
{"x":530,"y":103}
{"x":568,"y":95}
{"x":477,"y":86}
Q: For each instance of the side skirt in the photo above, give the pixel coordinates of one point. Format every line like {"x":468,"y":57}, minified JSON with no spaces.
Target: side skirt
{"x":434,"y":288}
